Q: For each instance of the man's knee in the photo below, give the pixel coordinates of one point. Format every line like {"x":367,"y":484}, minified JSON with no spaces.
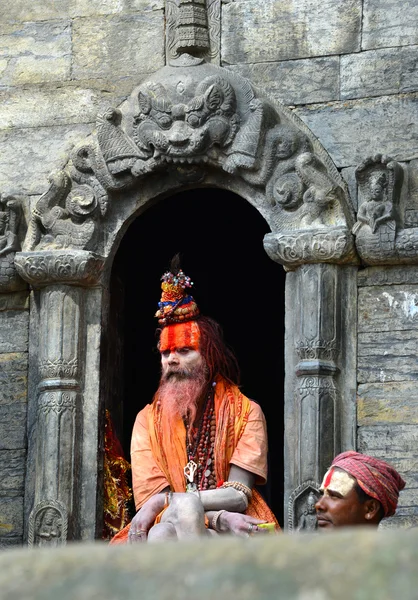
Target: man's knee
{"x":187,"y":505}
{"x":162,"y":532}
{"x":186,"y":513}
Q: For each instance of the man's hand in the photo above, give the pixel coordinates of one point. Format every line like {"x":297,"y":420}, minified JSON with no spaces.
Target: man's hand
{"x":144,"y":518}
{"x":239,"y":524}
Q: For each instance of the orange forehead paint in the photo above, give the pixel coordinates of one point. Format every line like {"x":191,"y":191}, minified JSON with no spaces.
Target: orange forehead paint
{"x":180,"y":335}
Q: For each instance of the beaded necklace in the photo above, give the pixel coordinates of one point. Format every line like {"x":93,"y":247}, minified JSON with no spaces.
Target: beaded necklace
{"x":200,"y":446}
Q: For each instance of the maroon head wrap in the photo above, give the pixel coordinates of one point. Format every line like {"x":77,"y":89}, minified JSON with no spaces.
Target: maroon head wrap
{"x":375,"y":477}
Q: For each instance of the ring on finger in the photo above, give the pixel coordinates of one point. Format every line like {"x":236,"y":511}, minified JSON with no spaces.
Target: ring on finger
{"x":250,"y":527}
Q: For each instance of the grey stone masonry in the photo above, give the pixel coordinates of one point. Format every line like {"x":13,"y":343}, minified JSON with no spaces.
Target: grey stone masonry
{"x":44,"y":10}
{"x":272,"y":30}
{"x":387,"y":398}
{"x":118,"y":45}
{"x":297,"y":81}
{"x":389,"y":23}
{"x":379,"y":72}
{"x":40,"y":107}
{"x":34,"y":52}
{"x":33,"y":153}
{"x":358,"y":128}
{"x":11,"y":521}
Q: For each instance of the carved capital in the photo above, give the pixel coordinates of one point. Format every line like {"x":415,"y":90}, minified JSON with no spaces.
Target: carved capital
{"x":48,"y":524}
{"x":314,"y":385}
{"x":77,"y":267}
{"x":292,"y":249}
{"x":317,"y":348}
{"x":57,"y":402}
{"x":59,"y":368}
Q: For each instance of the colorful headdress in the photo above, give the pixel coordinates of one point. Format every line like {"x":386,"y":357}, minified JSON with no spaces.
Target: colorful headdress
{"x":177,"y":310}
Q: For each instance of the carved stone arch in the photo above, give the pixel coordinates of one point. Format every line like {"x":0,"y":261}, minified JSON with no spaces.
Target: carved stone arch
{"x":189,"y":125}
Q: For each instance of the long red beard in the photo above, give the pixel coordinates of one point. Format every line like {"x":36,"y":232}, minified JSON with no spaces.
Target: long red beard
{"x":180,"y":391}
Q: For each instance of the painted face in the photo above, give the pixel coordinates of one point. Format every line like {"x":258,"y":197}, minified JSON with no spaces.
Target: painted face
{"x":339,"y":505}
{"x":180,"y":361}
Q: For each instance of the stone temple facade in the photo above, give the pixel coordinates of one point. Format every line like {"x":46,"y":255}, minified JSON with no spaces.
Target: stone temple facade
{"x":308,"y":113}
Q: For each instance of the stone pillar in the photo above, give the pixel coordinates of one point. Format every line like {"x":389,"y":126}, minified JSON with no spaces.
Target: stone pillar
{"x":62,"y":279}
{"x":320,"y":380}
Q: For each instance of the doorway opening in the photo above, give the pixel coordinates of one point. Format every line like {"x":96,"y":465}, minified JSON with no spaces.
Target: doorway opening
{"x":220,"y":238}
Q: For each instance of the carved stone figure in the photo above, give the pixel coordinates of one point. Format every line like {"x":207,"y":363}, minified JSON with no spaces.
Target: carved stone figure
{"x":380,"y":235}
{"x":302,"y":515}
{"x":54,"y":226}
{"x":378,"y":209}
{"x":185,"y":131}
{"x":48,"y":525}
{"x":307,"y":521}
{"x":10,"y":212}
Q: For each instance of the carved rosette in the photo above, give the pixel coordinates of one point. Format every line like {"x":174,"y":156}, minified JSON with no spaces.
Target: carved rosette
{"x":292,"y":249}
{"x":48,"y":525}
{"x":69,"y":267}
{"x":301,"y":510}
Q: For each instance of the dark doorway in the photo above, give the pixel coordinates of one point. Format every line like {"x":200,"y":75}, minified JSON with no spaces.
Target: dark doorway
{"x":220,"y":238}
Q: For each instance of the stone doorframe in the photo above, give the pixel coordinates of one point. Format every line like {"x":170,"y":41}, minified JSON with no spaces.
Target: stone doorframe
{"x":192,"y":124}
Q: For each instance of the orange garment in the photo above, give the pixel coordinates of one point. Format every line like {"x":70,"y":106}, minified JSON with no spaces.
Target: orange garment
{"x":158,"y":448}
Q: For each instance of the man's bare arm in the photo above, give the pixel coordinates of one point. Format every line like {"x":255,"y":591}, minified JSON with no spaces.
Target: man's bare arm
{"x":229,"y":498}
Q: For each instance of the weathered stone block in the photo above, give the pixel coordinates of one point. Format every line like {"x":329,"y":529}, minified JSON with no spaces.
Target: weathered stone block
{"x":12,"y":542}
{"x":14,"y":331}
{"x":32,"y":154}
{"x":379,"y":72}
{"x":387,"y":356}
{"x":296,"y":82}
{"x":13,"y":426}
{"x":352,"y":130}
{"x":88,"y":8}
{"x":12,"y":472}
{"x":389,"y":23}
{"x":48,"y":107}
{"x":35,"y":10}
{"x":11,"y":517}
{"x":367,"y":564}
{"x":378,"y":276}
{"x":398,"y":444}
{"x":276,"y":30}
{"x":15,"y":301}
{"x":388,"y":308}
{"x":35,"y":52}
{"x":385,"y":403}
{"x":13,"y":378}
{"x":122,"y":45}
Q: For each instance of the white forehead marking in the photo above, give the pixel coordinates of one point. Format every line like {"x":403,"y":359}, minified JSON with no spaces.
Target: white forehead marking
{"x":341,"y":482}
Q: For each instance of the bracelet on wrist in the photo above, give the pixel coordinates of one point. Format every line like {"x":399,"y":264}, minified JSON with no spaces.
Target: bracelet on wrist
{"x":240,"y":487}
{"x":215,"y":519}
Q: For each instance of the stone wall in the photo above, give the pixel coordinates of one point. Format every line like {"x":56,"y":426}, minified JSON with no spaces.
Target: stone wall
{"x":387,"y":408}
{"x":14,"y":334}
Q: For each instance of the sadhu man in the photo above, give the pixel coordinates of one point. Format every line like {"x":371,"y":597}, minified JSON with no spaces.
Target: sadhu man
{"x":199,"y":449}
{"x":357,"y":490}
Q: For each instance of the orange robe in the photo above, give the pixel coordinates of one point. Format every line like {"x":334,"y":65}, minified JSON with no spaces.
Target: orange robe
{"x":158,"y":449}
